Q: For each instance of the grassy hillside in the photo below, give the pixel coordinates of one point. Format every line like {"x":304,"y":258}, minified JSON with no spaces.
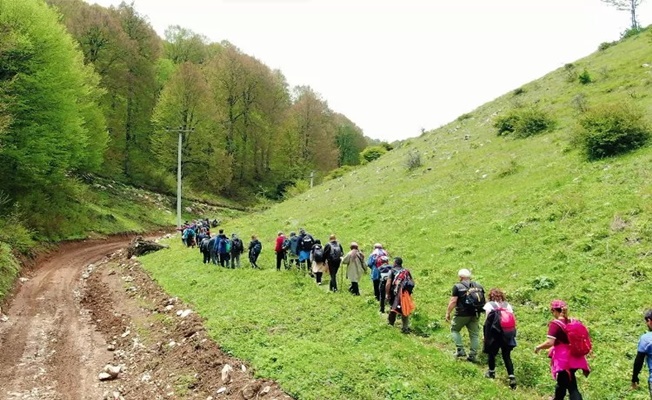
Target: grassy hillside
{"x":528,"y":215}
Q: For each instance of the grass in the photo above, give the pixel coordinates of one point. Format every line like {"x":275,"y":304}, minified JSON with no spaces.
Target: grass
{"x":528,"y":215}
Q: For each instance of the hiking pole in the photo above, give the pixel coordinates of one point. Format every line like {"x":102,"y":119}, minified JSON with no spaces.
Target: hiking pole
{"x":341,"y":276}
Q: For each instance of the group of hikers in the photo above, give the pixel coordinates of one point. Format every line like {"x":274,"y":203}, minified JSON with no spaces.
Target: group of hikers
{"x":567,"y":339}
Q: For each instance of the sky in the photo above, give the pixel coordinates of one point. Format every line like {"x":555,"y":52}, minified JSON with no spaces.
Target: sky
{"x":395,"y":67}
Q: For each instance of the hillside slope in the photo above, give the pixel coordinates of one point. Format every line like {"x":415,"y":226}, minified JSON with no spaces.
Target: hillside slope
{"x":528,"y":215}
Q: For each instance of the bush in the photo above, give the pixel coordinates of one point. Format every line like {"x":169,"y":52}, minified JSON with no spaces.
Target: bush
{"x":339,"y":172}
{"x":372,"y":153}
{"x":518,"y":91}
{"x":413,"y":160}
{"x":610,"y":130}
{"x":523,"y":122}
{"x":580,"y":103}
{"x":605,"y":45}
{"x":571,"y":72}
{"x":464,"y":116}
{"x":585,"y":77}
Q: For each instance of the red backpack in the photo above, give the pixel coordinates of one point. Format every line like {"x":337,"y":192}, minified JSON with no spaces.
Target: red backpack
{"x":507,"y":318}
{"x":578,"y":337}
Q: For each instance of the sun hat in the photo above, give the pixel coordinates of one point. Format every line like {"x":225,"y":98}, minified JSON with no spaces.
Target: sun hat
{"x":558,"y":304}
{"x":464,"y":273}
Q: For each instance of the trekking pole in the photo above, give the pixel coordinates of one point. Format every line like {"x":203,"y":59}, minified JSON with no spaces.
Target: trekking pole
{"x":341,"y":276}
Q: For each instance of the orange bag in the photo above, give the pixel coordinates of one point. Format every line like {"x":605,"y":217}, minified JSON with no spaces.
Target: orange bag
{"x":407,"y":304}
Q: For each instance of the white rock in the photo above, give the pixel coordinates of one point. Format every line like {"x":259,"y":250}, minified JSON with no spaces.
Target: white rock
{"x":265,"y":390}
{"x":127,"y":332}
{"x":185,"y":313}
{"x":169,"y":307}
{"x":110,"y":347}
{"x":3,"y":318}
{"x":226,"y":373}
{"x":23,"y":280}
{"x":85,"y":275}
{"x":221,"y":390}
{"x":244,"y":369}
{"x":146,"y":377}
{"x":112,"y":370}
{"x":104,"y":376}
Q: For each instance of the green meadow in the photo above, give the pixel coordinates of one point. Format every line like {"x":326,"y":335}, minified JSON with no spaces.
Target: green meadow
{"x":531,"y":216}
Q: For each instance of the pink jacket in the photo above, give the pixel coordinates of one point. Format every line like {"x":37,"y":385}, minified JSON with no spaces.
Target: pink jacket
{"x":561,"y":359}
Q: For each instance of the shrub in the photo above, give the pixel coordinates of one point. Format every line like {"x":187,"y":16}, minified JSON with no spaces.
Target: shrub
{"x":339,"y":172}
{"x":524,"y":122}
{"x":413,"y":160}
{"x":585,"y":77}
{"x":579,"y":103}
{"x":518,"y":91}
{"x":465,"y":116}
{"x":372,"y":153}
{"x":571,"y":72}
{"x":610,"y":130}
{"x":605,"y":45}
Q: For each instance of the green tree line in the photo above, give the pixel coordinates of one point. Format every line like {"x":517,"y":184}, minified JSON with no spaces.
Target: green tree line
{"x":84,"y":88}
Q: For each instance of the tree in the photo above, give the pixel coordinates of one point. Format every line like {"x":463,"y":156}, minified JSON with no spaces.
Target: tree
{"x":51,"y":120}
{"x":185,"y":103}
{"x":627,"y":5}
{"x":182,"y":44}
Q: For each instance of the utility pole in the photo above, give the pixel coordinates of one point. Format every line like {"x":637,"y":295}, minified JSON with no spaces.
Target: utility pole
{"x":181,"y":130}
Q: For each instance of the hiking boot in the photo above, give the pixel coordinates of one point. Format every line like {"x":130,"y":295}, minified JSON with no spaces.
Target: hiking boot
{"x":512,"y":382}
{"x":472,"y":359}
{"x":490,"y":374}
{"x":460,"y":353}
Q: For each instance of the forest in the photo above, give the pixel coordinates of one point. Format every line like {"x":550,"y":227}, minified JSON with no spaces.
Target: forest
{"x":86,"y":89}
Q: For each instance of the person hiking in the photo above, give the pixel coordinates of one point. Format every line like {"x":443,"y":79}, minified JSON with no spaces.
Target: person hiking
{"x":223,"y":248}
{"x":466,"y":315}
{"x":279,"y":250}
{"x":373,"y":262}
{"x":398,"y":289}
{"x":563,"y":363}
{"x":237,"y":248}
{"x":306,"y":241}
{"x":355,"y":267}
{"x":212,"y":249}
{"x":384,"y":272}
{"x":644,"y":351}
{"x":333,"y":253}
{"x":499,"y":335}
{"x":318,"y":261}
{"x":205,"y":250}
{"x":293,"y":250}
{"x":255,"y":247}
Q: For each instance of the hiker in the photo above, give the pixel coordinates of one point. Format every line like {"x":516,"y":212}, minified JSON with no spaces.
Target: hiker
{"x":223,"y":248}
{"x":318,"y":261}
{"x":237,"y":248}
{"x":280,"y":251}
{"x":205,"y":250}
{"x":466,"y":314}
{"x":355,"y":267}
{"x":384,"y":271}
{"x":644,"y":351}
{"x":333,"y":253}
{"x":212,"y":248}
{"x":373,"y":262}
{"x":306,"y":242}
{"x":499,"y":334}
{"x":563,"y":362}
{"x":293,"y":249}
{"x":255,"y":247}
{"x":398,"y":289}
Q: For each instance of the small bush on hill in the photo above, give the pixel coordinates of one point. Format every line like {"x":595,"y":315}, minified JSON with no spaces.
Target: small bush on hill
{"x":339,"y":172}
{"x":413,"y":160}
{"x":296,"y":189}
{"x":579,"y":103}
{"x":523,"y":122}
{"x":585,"y":78}
{"x":372,"y":153}
{"x":571,"y":72}
{"x":610,"y":130}
{"x":465,"y":116}
{"x":605,"y":45}
{"x":518,"y":91}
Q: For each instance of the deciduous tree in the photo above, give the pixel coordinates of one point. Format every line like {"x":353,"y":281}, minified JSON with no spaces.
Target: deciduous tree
{"x":627,"y":5}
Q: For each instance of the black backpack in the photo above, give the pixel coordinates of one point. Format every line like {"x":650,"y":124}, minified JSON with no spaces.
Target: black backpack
{"x":336,"y":251}
{"x":237,"y":246}
{"x":318,"y":254}
{"x":307,"y":242}
{"x":473,"y":299}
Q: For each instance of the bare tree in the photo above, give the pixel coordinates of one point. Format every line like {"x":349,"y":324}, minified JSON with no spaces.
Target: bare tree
{"x":627,"y":5}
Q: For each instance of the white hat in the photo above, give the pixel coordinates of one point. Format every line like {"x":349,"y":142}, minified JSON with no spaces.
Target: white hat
{"x":464,"y":273}
{"x":378,"y":246}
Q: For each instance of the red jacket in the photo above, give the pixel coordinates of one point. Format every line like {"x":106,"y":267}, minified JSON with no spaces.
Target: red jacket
{"x":279,"y":243}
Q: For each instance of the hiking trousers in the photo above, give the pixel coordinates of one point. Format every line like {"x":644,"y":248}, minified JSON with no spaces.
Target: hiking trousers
{"x":207,"y":256}
{"x":280,"y":256}
{"x":405,"y":321}
{"x":235,"y":260}
{"x":377,"y":288}
{"x":472,"y":324}
{"x":506,"y":352}
{"x":383,"y":295}
{"x":333,"y":267}
{"x":567,"y":383}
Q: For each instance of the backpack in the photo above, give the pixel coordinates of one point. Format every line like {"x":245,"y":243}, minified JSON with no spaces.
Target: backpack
{"x":406,"y":277}
{"x":286,"y":244}
{"x":227,"y":245}
{"x":578,"y":337}
{"x":378,"y":257}
{"x":336,"y":251}
{"x":473,"y":299}
{"x":237,"y":245}
{"x":307,"y":242}
{"x":258,"y":247}
{"x":507,"y":318}
{"x":318,"y":254}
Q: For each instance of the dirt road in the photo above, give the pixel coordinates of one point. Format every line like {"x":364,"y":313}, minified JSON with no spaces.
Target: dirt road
{"x":86,"y":306}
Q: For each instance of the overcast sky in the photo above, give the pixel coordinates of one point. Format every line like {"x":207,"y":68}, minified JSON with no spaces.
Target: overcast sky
{"x":394,"y":67}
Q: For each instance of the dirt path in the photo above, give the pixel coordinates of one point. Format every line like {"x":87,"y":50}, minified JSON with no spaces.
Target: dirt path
{"x":86,"y":306}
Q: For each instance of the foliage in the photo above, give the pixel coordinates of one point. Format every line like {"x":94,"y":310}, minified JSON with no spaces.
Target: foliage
{"x":605,"y":45}
{"x":298,"y":187}
{"x":523,"y":122}
{"x":413,"y":160}
{"x":339,"y":172}
{"x":585,"y":77}
{"x":518,"y":91}
{"x":580,"y":103}
{"x":611,"y":129}
{"x":372,"y":153}
{"x":570,"y":72}
{"x":465,"y":116}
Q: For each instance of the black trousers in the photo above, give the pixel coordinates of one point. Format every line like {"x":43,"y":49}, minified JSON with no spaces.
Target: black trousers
{"x":382,"y":294}
{"x":207,"y":256}
{"x":224,"y":260}
{"x":506,"y":351}
{"x":567,"y":383}
{"x":354,"y":289}
{"x":377,"y":288}
{"x":333,"y":267}
{"x":405,"y":321}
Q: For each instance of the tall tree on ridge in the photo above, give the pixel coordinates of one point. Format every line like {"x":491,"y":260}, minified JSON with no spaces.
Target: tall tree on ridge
{"x":627,"y":5}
